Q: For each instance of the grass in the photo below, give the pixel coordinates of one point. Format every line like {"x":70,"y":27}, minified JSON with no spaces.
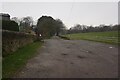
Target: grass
{"x":13,"y":63}
{"x":110,"y":37}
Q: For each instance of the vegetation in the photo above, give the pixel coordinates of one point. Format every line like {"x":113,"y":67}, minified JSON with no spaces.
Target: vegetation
{"x":59,"y":27}
{"x":10,"y":25}
{"x":47,"y":26}
{"x":106,"y":37}
{"x":25,"y":24}
{"x":12,"y":63}
{"x":11,"y":41}
{"x":84,"y":29}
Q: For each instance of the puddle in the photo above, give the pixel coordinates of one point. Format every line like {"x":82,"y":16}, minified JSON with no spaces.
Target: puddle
{"x":90,"y":52}
{"x":71,"y":63}
{"x":81,"y":57}
{"x":64,"y":54}
{"x":68,"y":47}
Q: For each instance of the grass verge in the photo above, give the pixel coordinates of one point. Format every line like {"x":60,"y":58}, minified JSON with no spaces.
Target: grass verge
{"x":110,"y":37}
{"x":12,"y":63}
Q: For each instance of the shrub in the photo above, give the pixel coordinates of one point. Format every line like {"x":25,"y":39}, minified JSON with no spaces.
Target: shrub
{"x":10,"y":25}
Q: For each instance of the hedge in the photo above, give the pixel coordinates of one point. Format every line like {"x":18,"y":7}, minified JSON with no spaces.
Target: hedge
{"x":11,"y":41}
{"x":10,"y":25}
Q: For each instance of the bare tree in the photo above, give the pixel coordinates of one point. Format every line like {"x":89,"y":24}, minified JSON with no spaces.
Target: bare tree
{"x":16,"y":19}
{"x":26,"y":23}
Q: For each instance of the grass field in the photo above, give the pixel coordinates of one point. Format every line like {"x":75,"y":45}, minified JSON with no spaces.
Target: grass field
{"x":13,"y":63}
{"x":105,"y":37}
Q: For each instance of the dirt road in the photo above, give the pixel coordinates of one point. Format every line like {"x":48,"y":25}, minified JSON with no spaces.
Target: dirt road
{"x":72,"y":59}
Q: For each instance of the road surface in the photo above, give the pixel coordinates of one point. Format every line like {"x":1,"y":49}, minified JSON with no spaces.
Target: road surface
{"x":60,"y":58}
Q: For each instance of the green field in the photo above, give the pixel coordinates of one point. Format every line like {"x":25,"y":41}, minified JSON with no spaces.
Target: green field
{"x":13,"y":63}
{"x":105,"y":37}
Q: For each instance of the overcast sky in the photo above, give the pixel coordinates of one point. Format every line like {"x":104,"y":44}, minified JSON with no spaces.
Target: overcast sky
{"x":71,"y":13}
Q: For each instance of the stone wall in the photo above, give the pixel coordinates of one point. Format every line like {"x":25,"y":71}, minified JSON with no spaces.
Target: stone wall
{"x":11,"y":41}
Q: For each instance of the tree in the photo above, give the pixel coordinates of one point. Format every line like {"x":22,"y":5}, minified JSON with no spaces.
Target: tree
{"x":46,"y":26}
{"x":10,"y":25}
{"x":26,"y":23}
{"x":16,"y":19}
{"x":60,"y":27}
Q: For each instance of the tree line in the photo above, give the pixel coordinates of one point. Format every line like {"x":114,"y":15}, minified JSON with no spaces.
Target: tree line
{"x":47,"y":26}
{"x":84,"y":29}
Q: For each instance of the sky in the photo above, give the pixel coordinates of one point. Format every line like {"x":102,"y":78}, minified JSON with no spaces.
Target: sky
{"x":71,"y":13}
